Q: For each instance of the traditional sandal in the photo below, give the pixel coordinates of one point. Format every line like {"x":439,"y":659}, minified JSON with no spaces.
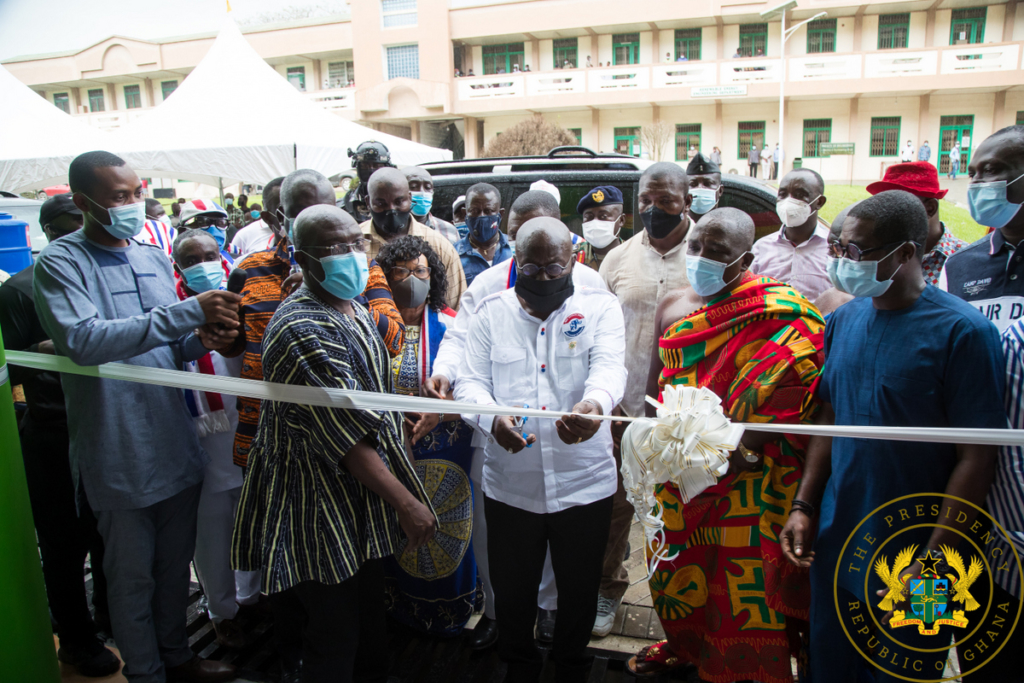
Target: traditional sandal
{"x":653,"y":660}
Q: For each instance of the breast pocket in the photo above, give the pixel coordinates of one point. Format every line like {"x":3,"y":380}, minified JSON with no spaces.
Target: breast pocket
{"x":125,"y":293}
{"x":509,"y":372}
{"x":573,"y":364}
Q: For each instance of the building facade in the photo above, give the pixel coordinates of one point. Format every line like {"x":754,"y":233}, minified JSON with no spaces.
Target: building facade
{"x":873,"y":73}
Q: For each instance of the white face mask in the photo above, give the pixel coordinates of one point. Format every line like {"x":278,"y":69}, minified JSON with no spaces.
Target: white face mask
{"x":794,"y":212}
{"x":600,"y":233}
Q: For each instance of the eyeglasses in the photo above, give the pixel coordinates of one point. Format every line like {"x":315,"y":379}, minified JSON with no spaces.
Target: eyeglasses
{"x":855,"y":253}
{"x":554,"y":270}
{"x":398,"y":273}
{"x":360,"y":246}
{"x":205,"y":222}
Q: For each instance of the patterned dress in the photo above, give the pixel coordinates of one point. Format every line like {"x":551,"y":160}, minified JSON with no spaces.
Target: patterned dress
{"x":435,"y":589}
{"x":729,"y":601}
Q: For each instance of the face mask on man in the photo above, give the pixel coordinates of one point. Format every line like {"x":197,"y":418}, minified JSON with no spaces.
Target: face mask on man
{"x":793,"y":212}
{"x":483,"y":228}
{"x":255,"y":215}
{"x":659,"y":223}
{"x":390,"y":222}
{"x":860,"y":278}
{"x":707,"y":276}
{"x":125,"y":221}
{"x":989,"y":205}
{"x":218,"y":234}
{"x":204,"y":277}
{"x":229,"y":201}
{"x":544,"y":295}
{"x":421,"y":203}
{"x":165,"y":220}
{"x":600,"y":233}
{"x":411,"y":292}
{"x":345,"y":275}
{"x":704,"y":200}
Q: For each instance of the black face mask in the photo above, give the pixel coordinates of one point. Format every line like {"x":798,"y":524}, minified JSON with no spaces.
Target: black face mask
{"x":390,"y":222}
{"x":660,"y":223}
{"x":544,"y":296}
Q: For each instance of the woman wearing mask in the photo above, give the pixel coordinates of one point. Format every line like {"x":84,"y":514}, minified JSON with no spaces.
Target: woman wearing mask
{"x":433,"y":589}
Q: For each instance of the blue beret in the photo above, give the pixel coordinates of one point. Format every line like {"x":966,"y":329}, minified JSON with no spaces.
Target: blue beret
{"x":599,"y":196}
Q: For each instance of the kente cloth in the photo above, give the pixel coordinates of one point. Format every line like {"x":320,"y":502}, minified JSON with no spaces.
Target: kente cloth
{"x":729,"y":601}
{"x":434,"y":589}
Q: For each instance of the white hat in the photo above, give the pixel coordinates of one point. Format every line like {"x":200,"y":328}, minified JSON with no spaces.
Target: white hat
{"x":458,"y":202}
{"x":545,"y":186}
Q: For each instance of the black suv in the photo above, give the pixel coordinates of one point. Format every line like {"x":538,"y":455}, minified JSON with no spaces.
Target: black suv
{"x":575,"y":171}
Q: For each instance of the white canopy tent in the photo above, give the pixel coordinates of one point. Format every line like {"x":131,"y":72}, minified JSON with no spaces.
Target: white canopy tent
{"x":208,"y":133}
{"x":38,"y":140}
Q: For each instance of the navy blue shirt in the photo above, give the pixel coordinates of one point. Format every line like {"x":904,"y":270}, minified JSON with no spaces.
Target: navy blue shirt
{"x":937,"y":363}
{"x":473,"y":263}
{"x":989,"y":274}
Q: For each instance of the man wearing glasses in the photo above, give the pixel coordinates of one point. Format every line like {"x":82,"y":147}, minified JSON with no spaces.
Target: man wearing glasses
{"x":209,"y":217}
{"x":548,"y":346}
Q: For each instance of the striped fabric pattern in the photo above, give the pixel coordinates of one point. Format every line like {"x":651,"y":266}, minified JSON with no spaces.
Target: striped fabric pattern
{"x":302,"y":516}
{"x":1006,"y":499}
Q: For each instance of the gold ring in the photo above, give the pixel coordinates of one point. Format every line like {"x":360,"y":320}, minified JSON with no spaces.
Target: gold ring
{"x":579,"y":440}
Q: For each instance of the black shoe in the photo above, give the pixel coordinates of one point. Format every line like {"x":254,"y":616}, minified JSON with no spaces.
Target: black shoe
{"x":546,"y":625}
{"x":628,"y":551}
{"x":484,"y":635}
{"x":91,"y":659}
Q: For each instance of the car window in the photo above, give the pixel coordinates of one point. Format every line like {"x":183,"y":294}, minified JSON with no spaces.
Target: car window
{"x":30,"y":214}
{"x":759,"y":208}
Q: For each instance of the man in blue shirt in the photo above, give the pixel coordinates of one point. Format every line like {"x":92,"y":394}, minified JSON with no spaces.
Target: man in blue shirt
{"x":485,"y":245}
{"x":901,"y":354}
{"x":925,"y":152}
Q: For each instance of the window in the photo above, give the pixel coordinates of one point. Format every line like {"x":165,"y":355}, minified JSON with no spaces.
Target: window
{"x":626,"y":48}
{"x":816,"y":131}
{"x":688,"y":44}
{"x":500,"y":59}
{"x":627,"y":141}
{"x":96,"y":100}
{"x":578,"y":134}
{"x":168,"y":87}
{"x":297,"y":77}
{"x":63,"y":103}
{"x":1020,"y":115}
{"x":566,"y":51}
{"x":750,"y":133}
{"x":340,"y":74}
{"x":885,"y":136}
{"x":893,"y":30}
{"x":753,"y":40}
{"x":132,"y":97}
{"x":967,"y":26}
{"x":398,"y":13}
{"x":687,"y":136}
{"x":821,"y":36}
{"x":404,"y":61}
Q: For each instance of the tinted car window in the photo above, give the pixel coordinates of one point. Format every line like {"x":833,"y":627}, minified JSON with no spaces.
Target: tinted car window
{"x":757,"y":206}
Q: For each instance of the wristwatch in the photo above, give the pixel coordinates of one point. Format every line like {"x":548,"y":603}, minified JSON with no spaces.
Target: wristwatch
{"x":749,"y":455}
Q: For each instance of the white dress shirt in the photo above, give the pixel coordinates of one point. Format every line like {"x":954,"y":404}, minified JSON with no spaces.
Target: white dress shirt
{"x":257,"y":236}
{"x":802,"y":266}
{"x":515,"y":359}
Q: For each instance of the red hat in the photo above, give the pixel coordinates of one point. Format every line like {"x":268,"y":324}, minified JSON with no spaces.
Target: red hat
{"x":919,"y":178}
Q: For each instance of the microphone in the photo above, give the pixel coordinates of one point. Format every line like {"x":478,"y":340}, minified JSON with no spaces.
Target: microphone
{"x":236,"y":280}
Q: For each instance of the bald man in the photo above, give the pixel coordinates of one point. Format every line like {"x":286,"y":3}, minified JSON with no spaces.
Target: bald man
{"x":421,"y":185}
{"x":727,"y":331}
{"x":391,"y":217}
{"x":348,"y":470}
{"x":832,"y":298}
{"x":548,"y":345}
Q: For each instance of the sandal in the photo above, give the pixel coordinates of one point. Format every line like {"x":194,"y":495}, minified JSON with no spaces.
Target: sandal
{"x":654,"y":660}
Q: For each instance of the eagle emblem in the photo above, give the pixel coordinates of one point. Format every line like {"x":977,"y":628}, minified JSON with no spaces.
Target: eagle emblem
{"x":598,"y":196}
{"x":929,"y":593}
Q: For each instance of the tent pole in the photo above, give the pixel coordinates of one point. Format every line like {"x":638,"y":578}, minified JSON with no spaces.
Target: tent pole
{"x":295,"y":156}
{"x":220,"y":187}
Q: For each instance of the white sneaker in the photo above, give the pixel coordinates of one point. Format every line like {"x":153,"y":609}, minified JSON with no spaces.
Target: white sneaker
{"x":606,"y":609}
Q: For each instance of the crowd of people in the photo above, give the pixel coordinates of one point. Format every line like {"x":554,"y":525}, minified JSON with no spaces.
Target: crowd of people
{"x":336,"y":519}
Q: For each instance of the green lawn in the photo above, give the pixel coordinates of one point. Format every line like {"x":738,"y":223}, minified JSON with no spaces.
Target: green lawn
{"x":956,"y":219}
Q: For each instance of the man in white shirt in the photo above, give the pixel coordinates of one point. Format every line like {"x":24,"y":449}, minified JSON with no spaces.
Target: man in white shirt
{"x":908,"y":152}
{"x":546,"y":345}
{"x":258,"y":235}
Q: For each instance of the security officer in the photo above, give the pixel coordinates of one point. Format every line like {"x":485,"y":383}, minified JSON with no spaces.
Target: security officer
{"x":368,"y":157}
{"x":601,"y":211}
{"x":705,"y":181}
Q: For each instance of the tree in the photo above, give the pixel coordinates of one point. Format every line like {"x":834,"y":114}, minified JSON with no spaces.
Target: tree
{"x":296,"y":12}
{"x":655,"y":139}
{"x":534,"y":136}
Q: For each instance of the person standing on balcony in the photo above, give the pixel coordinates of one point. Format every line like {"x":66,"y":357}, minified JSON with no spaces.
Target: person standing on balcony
{"x":422,"y":187}
{"x":368,"y":157}
{"x":925,"y":153}
{"x":753,"y":160}
{"x":589,"y":63}
{"x":908,"y":152}
{"x":668,"y":56}
{"x":954,"y":161}
{"x":486,"y":244}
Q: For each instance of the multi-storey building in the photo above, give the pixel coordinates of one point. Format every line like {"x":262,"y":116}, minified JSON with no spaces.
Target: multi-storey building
{"x":875,"y":73}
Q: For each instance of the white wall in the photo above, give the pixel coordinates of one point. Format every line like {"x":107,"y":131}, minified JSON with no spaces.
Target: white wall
{"x":836,"y":167}
{"x":703,"y":114}
{"x":1018,"y":22}
{"x":576,"y":119}
{"x":774,"y":48}
{"x":604,"y":48}
{"x":646,"y":43}
{"x":918,"y":31}
{"x":868,"y":32}
{"x":867,"y":167}
{"x":995,"y":17}
{"x":943,"y":18}
{"x":844,"y":35}
{"x":731,"y":33}
{"x":620,"y":118}
{"x":478,"y":59}
{"x":667,"y":40}
{"x":709,"y":44}
{"x":547,"y":56}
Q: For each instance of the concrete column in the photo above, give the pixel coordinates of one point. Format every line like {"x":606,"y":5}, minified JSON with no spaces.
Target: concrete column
{"x":718,"y":130}
{"x":852,"y":133}
{"x":1008,"y":19}
{"x":720,"y":44}
{"x":593,"y":49}
{"x":317,"y":83}
{"x":595,"y":123}
{"x":999,"y":118}
{"x":148,"y":86}
{"x":76,"y":102}
{"x":414,"y":131}
{"x":535,"y":56}
{"x":471,"y":142}
{"x":929,"y":27}
{"x":858,"y":32}
{"x":111,"y":97}
{"x":655,"y":45}
{"x":924,"y":105}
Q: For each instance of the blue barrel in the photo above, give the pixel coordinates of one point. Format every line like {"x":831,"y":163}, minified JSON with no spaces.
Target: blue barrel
{"x":15,"y":247}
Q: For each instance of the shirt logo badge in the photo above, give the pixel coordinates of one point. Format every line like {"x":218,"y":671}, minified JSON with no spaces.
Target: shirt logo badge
{"x":574,"y":325}
{"x":598,"y":196}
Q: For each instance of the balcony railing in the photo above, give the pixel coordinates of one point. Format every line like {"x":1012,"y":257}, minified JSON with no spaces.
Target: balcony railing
{"x":334,"y":99}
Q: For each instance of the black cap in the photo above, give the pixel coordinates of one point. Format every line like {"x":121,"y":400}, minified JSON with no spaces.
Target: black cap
{"x":701,"y":165}
{"x":57,"y":206}
{"x":603,"y":195}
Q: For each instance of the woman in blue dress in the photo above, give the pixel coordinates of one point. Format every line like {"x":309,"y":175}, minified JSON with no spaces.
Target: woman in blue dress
{"x":433,"y":589}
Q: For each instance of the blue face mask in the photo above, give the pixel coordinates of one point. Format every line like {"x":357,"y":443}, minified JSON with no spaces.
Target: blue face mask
{"x":288,"y":229}
{"x":204,"y":277}
{"x":989,"y":205}
{"x":706,"y":276}
{"x":860,"y":278}
{"x":704,"y":199}
{"x":125,"y":221}
{"x":345,"y":275}
{"x":255,"y":215}
{"x":483,"y":228}
{"x":218,"y":234}
{"x":421,"y":203}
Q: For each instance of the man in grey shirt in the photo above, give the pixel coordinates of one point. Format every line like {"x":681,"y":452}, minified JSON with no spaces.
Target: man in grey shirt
{"x":103,"y":297}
